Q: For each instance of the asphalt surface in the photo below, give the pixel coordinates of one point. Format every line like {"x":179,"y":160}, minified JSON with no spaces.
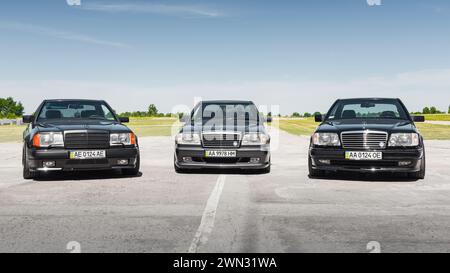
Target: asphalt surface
{"x":284,"y":211}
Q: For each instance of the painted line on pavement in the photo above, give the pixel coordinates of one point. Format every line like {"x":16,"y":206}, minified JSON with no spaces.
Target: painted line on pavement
{"x":208,"y":217}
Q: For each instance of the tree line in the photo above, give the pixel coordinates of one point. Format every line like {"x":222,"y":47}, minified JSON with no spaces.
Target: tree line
{"x":152,"y":111}
{"x":304,"y":115}
{"x":10,"y":109}
{"x":432,"y":110}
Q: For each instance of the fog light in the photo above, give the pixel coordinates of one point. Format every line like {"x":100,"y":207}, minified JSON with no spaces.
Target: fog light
{"x":49,"y":164}
{"x":325,"y":161}
{"x":187,"y":159}
{"x":404,"y":163}
{"x":122,"y":162}
{"x":254,"y":160}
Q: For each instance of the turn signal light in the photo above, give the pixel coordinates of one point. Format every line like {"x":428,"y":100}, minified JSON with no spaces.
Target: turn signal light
{"x":132,"y":139}
{"x":36,"y":140}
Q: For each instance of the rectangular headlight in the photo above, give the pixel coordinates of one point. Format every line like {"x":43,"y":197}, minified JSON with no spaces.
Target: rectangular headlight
{"x":188,"y":139}
{"x":326,"y":139}
{"x":404,"y":139}
{"x":48,"y":139}
{"x":122,"y":139}
{"x":255,"y":139}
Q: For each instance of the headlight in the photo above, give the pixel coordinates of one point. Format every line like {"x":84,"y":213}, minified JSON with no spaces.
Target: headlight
{"x":255,"y":139}
{"x":404,"y":139}
{"x":326,"y":139}
{"x":188,"y":139}
{"x":53,"y":139}
{"x":122,"y":139}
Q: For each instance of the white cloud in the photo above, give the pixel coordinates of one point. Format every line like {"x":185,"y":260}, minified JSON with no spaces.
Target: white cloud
{"x":416,"y":89}
{"x":178,"y":10}
{"x":40,"y":30}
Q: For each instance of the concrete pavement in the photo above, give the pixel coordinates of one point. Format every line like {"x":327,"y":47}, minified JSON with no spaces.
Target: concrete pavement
{"x":284,"y":211}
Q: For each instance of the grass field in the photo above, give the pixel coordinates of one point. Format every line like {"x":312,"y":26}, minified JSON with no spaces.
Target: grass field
{"x":438,"y":117}
{"x":307,"y":126}
{"x":11,"y":133}
{"x":434,"y":131}
{"x":153,"y":126}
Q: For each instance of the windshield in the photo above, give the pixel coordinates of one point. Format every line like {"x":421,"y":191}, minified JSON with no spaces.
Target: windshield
{"x":367,"y":109}
{"x":75,"y":110}
{"x":226,"y":114}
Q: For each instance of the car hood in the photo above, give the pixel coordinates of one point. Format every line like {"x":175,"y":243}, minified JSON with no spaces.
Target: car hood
{"x":387,"y":125}
{"x":83,"y":125}
{"x":239,"y":129}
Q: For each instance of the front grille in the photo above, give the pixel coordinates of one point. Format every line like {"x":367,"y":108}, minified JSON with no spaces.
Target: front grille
{"x":86,"y":140}
{"x":364,"y":140}
{"x":221,"y":140}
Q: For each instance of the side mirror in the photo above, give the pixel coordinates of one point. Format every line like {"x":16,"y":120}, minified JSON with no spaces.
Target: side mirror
{"x":269,"y":119}
{"x":124,"y":119}
{"x":28,"y":119}
{"x":418,"y":118}
{"x":318,"y":118}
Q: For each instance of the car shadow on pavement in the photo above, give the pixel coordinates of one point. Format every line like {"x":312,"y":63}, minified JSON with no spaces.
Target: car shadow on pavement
{"x":85,"y":175}
{"x":366,"y":177}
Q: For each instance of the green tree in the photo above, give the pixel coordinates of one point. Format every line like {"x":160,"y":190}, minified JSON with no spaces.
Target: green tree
{"x":10,"y":108}
{"x":295,"y":115}
{"x":433,"y":110}
{"x":317,"y":114}
{"x":307,"y":115}
{"x":152,"y":110}
{"x":426,"y":110}
{"x":448,"y":110}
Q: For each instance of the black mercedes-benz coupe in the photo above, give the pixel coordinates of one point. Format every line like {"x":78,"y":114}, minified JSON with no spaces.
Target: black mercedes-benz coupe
{"x":223,"y":135}
{"x":367,"y":135}
{"x":72,"y":135}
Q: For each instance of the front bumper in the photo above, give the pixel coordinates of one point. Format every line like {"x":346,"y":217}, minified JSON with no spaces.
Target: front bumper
{"x":61,"y":157}
{"x":244,"y":154}
{"x":333,"y":159}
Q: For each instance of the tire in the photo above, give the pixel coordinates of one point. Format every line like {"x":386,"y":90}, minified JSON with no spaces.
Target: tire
{"x":135,"y":170}
{"x":177,"y":169}
{"x":420,"y":174}
{"x":266,"y":169}
{"x":312,"y":171}
{"x":27,"y":173}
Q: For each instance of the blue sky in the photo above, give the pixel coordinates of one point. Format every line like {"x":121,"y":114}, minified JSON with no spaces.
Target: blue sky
{"x":299,"y":54}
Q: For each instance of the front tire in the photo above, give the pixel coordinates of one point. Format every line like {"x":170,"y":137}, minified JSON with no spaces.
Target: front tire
{"x":313,"y":172}
{"x":27,"y":173}
{"x":267,"y":169}
{"x":135,"y":170}
{"x":177,"y":169}
{"x":420,"y":174}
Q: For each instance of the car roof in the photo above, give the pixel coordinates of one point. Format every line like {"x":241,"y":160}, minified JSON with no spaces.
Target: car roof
{"x":64,"y":100}
{"x":369,"y":99}
{"x":227,"y":101}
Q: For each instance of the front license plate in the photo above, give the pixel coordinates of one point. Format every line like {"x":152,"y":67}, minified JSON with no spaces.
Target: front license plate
{"x":220,"y":153}
{"x":87,"y":154}
{"x":364,"y":155}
